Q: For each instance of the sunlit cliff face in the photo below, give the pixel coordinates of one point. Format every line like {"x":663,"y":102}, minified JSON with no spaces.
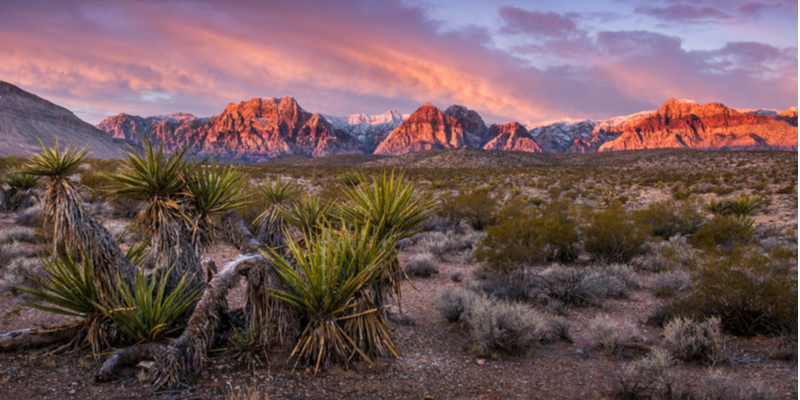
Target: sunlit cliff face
{"x":509,"y":62}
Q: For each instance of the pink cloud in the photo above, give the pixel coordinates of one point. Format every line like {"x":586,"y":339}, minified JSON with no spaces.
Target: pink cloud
{"x":342,"y":57}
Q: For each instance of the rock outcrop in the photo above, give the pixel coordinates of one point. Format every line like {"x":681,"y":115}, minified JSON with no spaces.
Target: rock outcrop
{"x":25,"y":119}
{"x":471,"y":123}
{"x":511,"y":136}
{"x":426,"y":129}
{"x":686,"y":124}
{"x":253,"y":130}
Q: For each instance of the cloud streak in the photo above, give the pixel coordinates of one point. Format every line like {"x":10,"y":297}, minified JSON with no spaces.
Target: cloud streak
{"x":342,"y":57}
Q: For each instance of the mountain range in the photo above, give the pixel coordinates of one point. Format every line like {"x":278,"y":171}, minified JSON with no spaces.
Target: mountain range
{"x":262,"y":129}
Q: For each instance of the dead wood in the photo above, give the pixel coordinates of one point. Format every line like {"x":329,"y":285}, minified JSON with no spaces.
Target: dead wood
{"x":127,"y":356}
{"x":33,"y":337}
{"x":238,"y":233}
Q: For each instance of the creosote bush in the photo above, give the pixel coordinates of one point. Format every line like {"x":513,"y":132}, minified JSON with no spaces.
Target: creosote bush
{"x":750,"y":292}
{"x":527,"y":234}
{"x":723,"y":231}
{"x":686,"y":339}
{"x":612,"y":235}
{"x":670,"y":218}
{"x":478,"y":207}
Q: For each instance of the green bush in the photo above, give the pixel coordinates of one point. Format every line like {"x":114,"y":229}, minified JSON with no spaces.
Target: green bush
{"x":612,"y":235}
{"x":749,"y":291}
{"x":669,"y":218}
{"x":723,"y":231}
{"x":478,"y":207}
{"x":527,"y":234}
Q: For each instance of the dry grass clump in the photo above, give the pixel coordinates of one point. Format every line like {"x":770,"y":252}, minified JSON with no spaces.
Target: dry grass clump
{"x":578,"y":286}
{"x":16,"y":272}
{"x":499,"y":328}
{"x":496,"y":328}
{"x":686,"y":339}
{"x":614,"y":337}
{"x":422,"y":264}
{"x":454,"y":301}
{"x":720,"y":386}
{"x":558,"y":329}
{"x":21,"y":235}
{"x":648,"y":378}
{"x":438,"y":244}
{"x":670,"y":284}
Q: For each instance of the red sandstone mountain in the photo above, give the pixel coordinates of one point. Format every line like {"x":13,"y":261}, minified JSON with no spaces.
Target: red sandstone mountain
{"x":426,"y":129}
{"x":687,"y":124}
{"x":253,"y":130}
{"x":25,"y":119}
{"x":511,"y":136}
{"x":471,"y":123}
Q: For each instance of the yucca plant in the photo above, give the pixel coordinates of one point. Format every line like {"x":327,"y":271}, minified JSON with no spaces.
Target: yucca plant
{"x":67,"y":287}
{"x":73,"y":225}
{"x":248,"y":346}
{"x":147,"y":312}
{"x":20,"y":194}
{"x":716,"y":207}
{"x":744,"y":205}
{"x":683,"y":193}
{"x":159,"y":180}
{"x":331,"y":268}
{"x":270,"y":224}
{"x":392,"y":207}
{"x":307,"y":215}
{"x":213,"y":189}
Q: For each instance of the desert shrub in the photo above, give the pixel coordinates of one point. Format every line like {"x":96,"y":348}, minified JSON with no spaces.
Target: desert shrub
{"x":29,"y":217}
{"x":723,"y":231}
{"x":10,"y":251}
{"x":577,"y":286}
{"x":558,"y":329}
{"x":124,"y":207}
{"x":719,"y":386}
{"x":457,"y":276}
{"x":669,"y":218}
{"x":16,"y":274}
{"x":97,"y":181}
{"x":422,"y":265}
{"x":612,"y":236}
{"x":648,"y":378}
{"x":614,"y":337}
{"x":530,"y":234}
{"x":453,"y":301}
{"x":21,"y":235}
{"x":623,"y":272}
{"x":788,"y":189}
{"x":478,"y":207}
{"x":721,"y":190}
{"x":687,"y":339}
{"x":440,"y":224}
{"x":716,"y":207}
{"x":500,"y":328}
{"x":513,"y":286}
{"x":438,"y":243}
{"x":669,"y":284}
{"x":747,"y":290}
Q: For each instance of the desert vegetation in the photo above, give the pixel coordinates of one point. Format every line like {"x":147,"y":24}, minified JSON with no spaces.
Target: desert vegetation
{"x":651,"y":281}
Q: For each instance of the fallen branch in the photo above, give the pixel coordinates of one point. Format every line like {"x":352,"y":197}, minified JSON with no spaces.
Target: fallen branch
{"x":237,"y":232}
{"x":183,"y":358}
{"x":32,"y":337}
{"x":125,"y":357}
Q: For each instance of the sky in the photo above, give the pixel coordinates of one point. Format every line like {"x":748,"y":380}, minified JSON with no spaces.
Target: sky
{"x":527,"y":61}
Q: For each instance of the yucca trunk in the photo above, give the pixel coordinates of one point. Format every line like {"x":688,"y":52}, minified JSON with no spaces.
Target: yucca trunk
{"x":80,"y":232}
